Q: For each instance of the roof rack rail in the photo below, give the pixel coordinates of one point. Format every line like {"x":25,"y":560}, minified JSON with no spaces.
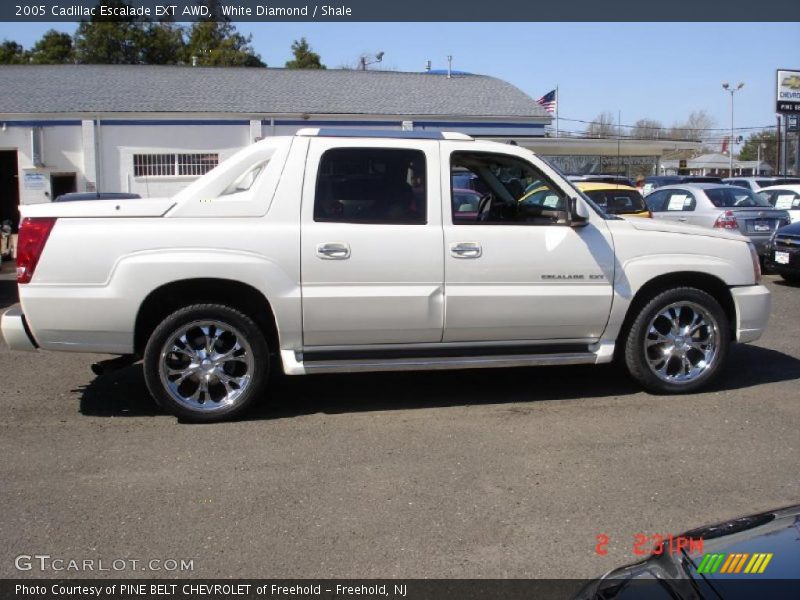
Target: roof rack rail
{"x":383,"y":133}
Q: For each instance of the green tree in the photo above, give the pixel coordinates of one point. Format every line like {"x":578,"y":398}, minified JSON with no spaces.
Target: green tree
{"x":768,"y":142}
{"x":162,"y":44}
{"x":54,"y":48}
{"x":11,"y":53}
{"x":304,"y":58}
{"x":219,"y":44}
{"x":110,"y":40}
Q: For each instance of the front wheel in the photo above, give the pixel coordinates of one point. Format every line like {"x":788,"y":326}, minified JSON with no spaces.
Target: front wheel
{"x":678,"y":341}
{"x":206,"y":362}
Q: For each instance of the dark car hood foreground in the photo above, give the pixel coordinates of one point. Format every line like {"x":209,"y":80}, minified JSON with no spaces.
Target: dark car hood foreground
{"x":775,"y":533}
{"x":793,"y":229}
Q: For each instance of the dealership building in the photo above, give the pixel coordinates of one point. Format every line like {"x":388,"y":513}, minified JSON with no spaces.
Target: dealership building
{"x":152,"y":130}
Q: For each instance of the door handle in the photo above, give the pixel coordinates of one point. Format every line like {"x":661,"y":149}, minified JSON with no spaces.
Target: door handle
{"x":466,"y":250}
{"x":682,"y":219}
{"x":333,"y":251}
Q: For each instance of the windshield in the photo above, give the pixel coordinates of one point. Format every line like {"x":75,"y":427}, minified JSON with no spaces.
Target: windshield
{"x":575,"y":189}
{"x":618,"y":202}
{"x":735,"y":197}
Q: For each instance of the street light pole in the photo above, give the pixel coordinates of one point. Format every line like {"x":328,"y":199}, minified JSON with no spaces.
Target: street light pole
{"x":728,"y":88}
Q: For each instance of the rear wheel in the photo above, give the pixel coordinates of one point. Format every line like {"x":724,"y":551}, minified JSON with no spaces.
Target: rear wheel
{"x":206,"y":362}
{"x":678,"y":341}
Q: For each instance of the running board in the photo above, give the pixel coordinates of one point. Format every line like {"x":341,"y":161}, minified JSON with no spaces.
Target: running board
{"x":294,"y":367}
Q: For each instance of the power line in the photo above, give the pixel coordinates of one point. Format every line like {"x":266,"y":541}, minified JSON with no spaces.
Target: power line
{"x":664,"y":128}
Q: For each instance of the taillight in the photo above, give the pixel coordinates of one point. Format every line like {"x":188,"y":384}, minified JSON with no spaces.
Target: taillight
{"x":33,"y":234}
{"x":726,"y":221}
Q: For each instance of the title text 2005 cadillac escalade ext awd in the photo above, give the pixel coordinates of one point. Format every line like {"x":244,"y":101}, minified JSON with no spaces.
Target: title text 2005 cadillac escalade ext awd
{"x":342,"y":251}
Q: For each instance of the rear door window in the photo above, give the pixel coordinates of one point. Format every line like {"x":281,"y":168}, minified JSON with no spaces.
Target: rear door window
{"x":371,"y":185}
{"x":679,"y":201}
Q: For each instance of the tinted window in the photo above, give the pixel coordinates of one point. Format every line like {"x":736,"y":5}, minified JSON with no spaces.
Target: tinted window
{"x":655,"y":201}
{"x":700,"y":179}
{"x":618,"y":202}
{"x":371,"y":185}
{"x":734,"y":197}
{"x":516,"y":192}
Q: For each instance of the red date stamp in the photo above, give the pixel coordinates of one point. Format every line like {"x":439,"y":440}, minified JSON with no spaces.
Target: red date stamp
{"x":654,"y":544}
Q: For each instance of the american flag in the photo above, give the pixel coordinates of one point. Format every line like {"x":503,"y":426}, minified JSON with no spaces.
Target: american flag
{"x":548,"y":101}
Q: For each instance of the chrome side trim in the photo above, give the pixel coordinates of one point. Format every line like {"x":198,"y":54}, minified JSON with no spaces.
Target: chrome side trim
{"x":442,"y":363}
{"x":427,"y":346}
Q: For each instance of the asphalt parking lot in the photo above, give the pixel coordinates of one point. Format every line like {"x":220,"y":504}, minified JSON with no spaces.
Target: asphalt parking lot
{"x":489,"y":473}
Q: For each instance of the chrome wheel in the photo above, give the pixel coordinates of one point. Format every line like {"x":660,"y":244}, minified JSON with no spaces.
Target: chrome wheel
{"x":681,"y":342}
{"x":206,"y":365}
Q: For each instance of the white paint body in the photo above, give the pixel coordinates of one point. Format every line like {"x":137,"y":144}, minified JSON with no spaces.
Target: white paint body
{"x":401,"y":286}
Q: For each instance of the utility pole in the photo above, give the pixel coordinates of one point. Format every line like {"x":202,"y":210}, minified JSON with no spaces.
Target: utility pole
{"x":795,"y":121}
{"x":728,"y":88}
{"x":558,"y":100}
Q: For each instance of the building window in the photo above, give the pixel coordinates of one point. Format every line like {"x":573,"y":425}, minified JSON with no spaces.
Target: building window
{"x":171,"y":165}
{"x":153,"y":165}
{"x":196,"y":164}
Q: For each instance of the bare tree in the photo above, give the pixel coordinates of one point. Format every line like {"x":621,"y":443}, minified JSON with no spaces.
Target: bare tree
{"x":647,"y":129}
{"x":602,"y":126}
{"x":696,"y":128}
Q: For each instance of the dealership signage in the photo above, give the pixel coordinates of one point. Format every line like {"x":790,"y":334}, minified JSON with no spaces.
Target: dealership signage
{"x":788,"y":92}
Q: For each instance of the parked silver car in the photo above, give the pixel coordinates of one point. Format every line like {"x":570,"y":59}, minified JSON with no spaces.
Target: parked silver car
{"x":719,"y":206}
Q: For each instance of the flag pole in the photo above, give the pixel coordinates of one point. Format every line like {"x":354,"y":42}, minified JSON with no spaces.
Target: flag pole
{"x":557,"y":99}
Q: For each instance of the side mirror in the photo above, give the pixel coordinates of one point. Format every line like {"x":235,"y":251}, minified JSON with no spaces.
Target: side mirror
{"x":578,"y":213}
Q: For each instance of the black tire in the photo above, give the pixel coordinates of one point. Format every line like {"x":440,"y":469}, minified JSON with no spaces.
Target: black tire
{"x":228,"y":324}
{"x":791,"y":277}
{"x":636,"y":354}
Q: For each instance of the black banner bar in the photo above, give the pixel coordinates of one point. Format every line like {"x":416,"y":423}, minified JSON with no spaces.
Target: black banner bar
{"x":399,"y":10}
{"x":392,"y":589}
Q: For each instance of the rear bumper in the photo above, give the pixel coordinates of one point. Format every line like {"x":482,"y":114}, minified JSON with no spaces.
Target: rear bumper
{"x":15,"y":330}
{"x":753,"y":304}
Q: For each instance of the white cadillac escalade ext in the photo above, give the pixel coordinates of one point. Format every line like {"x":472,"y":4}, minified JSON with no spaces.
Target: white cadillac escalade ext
{"x":341,"y":251}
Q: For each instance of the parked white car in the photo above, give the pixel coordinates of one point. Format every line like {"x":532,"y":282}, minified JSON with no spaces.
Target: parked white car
{"x":754,"y":184}
{"x":337,"y":251}
{"x":784,"y":197}
{"x":719,"y":206}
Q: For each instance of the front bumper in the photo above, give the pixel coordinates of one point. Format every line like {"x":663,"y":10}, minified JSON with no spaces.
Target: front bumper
{"x":752,"y":303}
{"x":15,"y":330}
{"x":790,"y":268}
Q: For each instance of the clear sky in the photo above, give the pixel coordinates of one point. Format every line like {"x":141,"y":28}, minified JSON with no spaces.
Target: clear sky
{"x":655,"y":70}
